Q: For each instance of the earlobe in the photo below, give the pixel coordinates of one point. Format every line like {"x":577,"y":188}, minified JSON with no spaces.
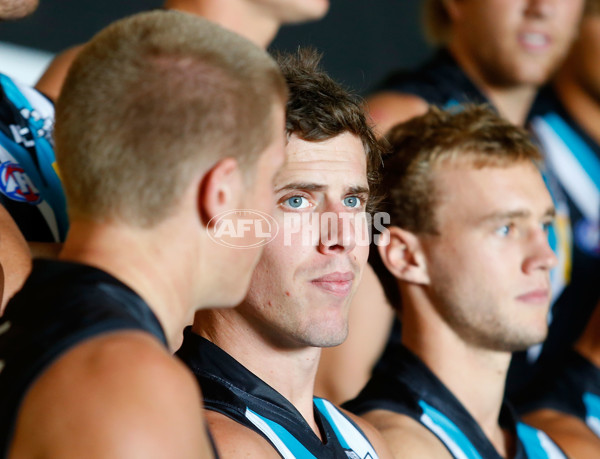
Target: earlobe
{"x":403,"y":256}
{"x":220,"y":189}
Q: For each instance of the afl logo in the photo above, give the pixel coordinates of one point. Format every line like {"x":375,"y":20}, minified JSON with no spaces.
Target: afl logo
{"x":17,"y":185}
{"x":242,"y":228}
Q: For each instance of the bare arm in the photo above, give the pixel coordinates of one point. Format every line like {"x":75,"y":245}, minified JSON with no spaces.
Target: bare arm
{"x":405,"y":437}
{"x":120,"y":395}
{"x":15,"y":258}
{"x":345,"y":369}
{"x":571,"y":434}
{"x":50,"y":83}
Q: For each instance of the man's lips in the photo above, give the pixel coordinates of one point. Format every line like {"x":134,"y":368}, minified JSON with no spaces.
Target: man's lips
{"x":535,"y":296}
{"x":339,"y":284}
{"x":534,"y":41}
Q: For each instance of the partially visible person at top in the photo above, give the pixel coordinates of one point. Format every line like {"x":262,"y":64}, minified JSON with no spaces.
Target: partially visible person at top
{"x":467,"y":267}
{"x":257,"y":363}
{"x":166,"y":121}
{"x":30,"y":190}
{"x":257,"y":20}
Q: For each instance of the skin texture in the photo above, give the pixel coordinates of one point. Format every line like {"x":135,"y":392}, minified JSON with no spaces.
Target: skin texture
{"x":304,"y":310}
{"x":473,"y":292}
{"x":16,"y":9}
{"x":508,"y":48}
{"x":293,"y":308}
{"x":101,"y":414}
{"x":485,"y":304}
{"x":342,"y":373}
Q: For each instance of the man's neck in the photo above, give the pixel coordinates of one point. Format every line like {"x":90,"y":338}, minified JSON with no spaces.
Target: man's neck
{"x":579,"y":103}
{"x":140,"y":264}
{"x":512,"y":102}
{"x":290,"y":371}
{"x":475,"y":376}
{"x":240,"y":16}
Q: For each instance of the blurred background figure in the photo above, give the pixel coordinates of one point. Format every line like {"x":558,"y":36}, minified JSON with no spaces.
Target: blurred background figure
{"x":256,"y":20}
{"x":566,"y":121}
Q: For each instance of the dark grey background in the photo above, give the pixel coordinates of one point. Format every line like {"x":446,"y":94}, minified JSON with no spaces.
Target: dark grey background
{"x":362,"y":40}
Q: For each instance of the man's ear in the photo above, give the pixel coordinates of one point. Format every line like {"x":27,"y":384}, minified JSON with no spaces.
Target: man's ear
{"x":220,"y":189}
{"x":403,"y":256}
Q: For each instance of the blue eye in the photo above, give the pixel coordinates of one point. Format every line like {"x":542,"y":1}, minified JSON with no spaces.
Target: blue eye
{"x":546,"y":226}
{"x":504,"y":230}
{"x":352,"y":201}
{"x":297,"y":202}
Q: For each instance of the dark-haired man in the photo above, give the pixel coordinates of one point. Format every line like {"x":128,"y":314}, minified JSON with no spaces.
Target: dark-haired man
{"x":468,"y":259}
{"x":257,"y":363}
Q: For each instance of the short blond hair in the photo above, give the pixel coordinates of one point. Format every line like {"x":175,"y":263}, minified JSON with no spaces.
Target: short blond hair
{"x":471,"y":134}
{"x":152,"y":100}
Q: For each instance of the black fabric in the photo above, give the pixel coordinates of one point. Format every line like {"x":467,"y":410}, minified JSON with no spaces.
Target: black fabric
{"x":230,"y":388}
{"x":406,"y":380}
{"x":61,"y":305}
{"x":561,"y":388}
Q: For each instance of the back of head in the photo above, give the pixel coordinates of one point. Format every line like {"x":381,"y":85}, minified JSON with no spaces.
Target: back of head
{"x":475,"y":137}
{"x":319,"y":108}
{"x":153,"y":100}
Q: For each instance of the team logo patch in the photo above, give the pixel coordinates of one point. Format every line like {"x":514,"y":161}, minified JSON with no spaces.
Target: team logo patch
{"x":587,"y":236}
{"x":17,"y":185}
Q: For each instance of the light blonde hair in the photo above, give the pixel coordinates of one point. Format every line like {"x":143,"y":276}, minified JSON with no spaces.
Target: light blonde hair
{"x":152,"y":100}
{"x":473,"y":134}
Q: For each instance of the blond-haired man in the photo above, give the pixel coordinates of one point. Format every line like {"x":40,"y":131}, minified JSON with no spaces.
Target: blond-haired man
{"x":166,"y":121}
{"x":467,"y":267}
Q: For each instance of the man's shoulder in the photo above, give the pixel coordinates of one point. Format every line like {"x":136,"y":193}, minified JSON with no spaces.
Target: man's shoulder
{"x":120,"y":391}
{"x":569,"y":432}
{"x":236,"y":440}
{"x":405,"y":436}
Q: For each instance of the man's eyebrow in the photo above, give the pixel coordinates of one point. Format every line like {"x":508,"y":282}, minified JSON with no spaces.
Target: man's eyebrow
{"x":305,"y":186}
{"x":358,"y":189}
{"x":515,"y":214}
{"x":301,"y":186}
